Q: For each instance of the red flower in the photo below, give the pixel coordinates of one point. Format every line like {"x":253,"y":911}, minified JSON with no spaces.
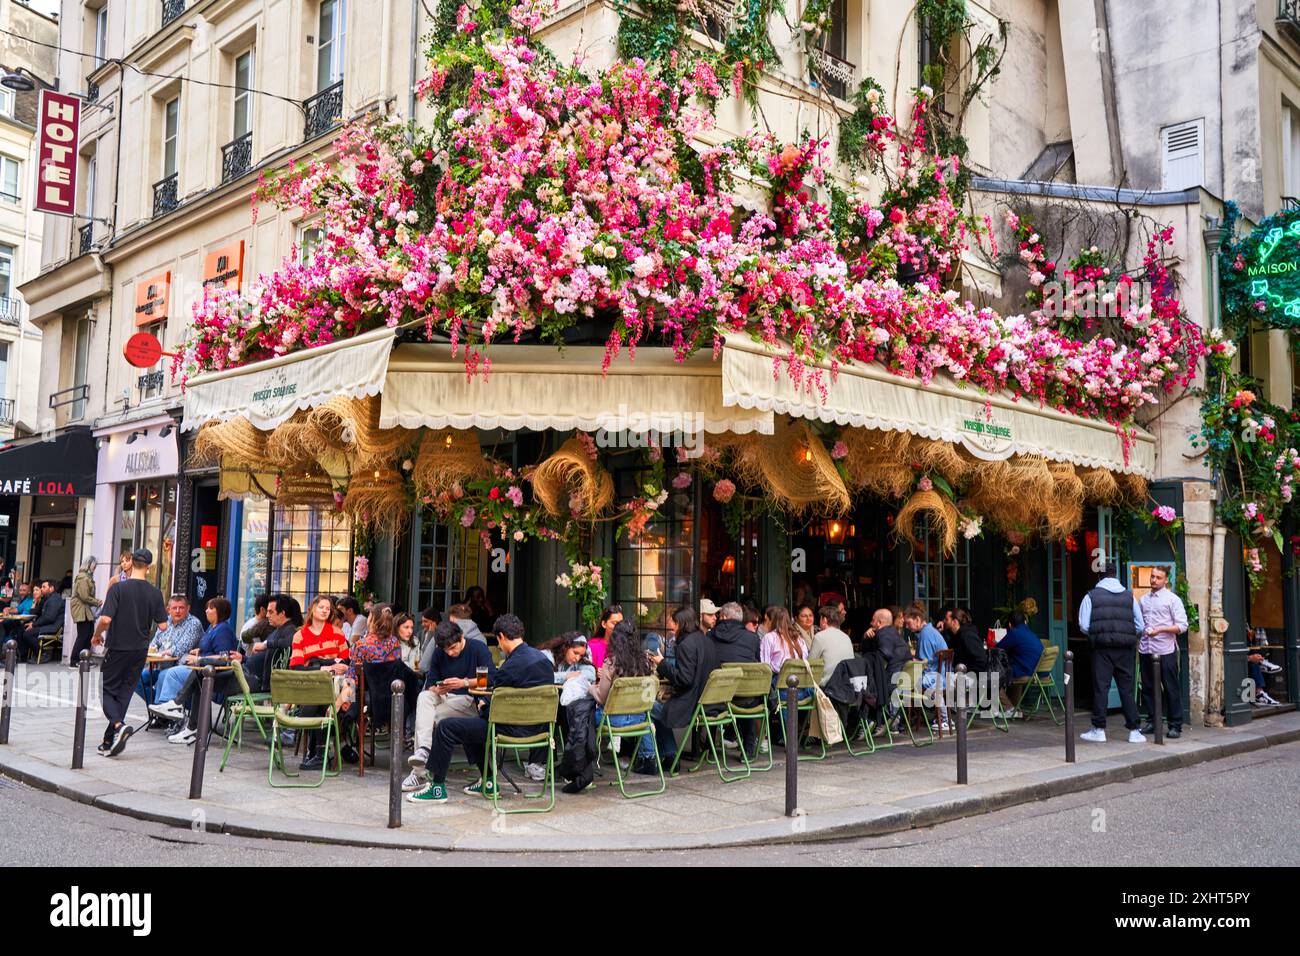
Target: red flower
{"x":494,"y":494}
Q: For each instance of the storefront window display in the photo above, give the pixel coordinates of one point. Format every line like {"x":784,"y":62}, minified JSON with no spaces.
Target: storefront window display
{"x":311,"y":552}
{"x":147,"y":519}
{"x":447,"y":560}
{"x":655,"y":575}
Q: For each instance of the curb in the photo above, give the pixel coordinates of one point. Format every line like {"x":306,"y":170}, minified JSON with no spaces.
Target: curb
{"x":877,"y":819}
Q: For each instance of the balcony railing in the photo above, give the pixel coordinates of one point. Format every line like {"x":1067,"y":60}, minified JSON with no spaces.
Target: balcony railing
{"x":92,"y":92}
{"x":171,"y":10}
{"x":164,"y":195}
{"x":85,"y":238}
{"x":7,"y":411}
{"x":836,"y":76}
{"x":324,"y":110}
{"x":70,"y":396}
{"x":1290,"y":202}
{"x":149,"y":380}
{"x":9,"y":314}
{"x":236,"y":157}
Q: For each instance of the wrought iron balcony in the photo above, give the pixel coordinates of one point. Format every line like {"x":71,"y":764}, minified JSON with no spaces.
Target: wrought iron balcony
{"x":1290,"y":202}
{"x":236,"y":157}
{"x":70,"y":396}
{"x":7,"y":411}
{"x":171,"y":10}
{"x":324,"y":110}
{"x":150,"y":380}
{"x":85,"y":237}
{"x":92,"y":92}
{"x":834,"y":75}
{"x":9,"y":314}
{"x":164,"y":195}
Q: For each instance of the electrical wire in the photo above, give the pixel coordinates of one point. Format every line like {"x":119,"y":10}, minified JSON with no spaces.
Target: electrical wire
{"x":123,"y":64}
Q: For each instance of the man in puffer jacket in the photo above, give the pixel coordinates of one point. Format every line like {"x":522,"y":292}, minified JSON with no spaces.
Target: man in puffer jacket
{"x":1112,"y":619}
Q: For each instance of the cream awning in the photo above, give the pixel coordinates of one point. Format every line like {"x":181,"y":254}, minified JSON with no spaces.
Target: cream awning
{"x":269,"y":392}
{"x":539,"y":387}
{"x":990,"y":427}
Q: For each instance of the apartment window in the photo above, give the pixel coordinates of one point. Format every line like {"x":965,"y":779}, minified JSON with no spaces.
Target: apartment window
{"x":6,"y":102}
{"x":10,"y":176}
{"x":1182,"y":150}
{"x":243,"y":94}
{"x":830,"y":67}
{"x":329,"y":43}
{"x":4,"y":370}
{"x":171,"y":134}
{"x":311,"y":238}
{"x":101,"y":34}
{"x":1290,"y":152}
{"x":80,"y":366}
{"x":6,"y":271}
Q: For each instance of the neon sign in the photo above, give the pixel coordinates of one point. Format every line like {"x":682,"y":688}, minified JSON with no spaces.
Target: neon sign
{"x":1261,"y":273}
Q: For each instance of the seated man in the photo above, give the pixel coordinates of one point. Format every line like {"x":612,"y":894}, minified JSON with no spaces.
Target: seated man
{"x":523,"y":666}
{"x":890,"y":649}
{"x":218,"y":639}
{"x":284,"y":614}
{"x":182,"y":635}
{"x":21,"y":604}
{"x":928,"y":644}
{"x":830,"y":644}
{"x":1022,"y":646}
{"x":49,"y":618}
{"x":452,"y":665}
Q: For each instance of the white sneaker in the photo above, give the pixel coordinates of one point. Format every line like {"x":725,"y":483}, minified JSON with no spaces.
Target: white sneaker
{"x":168,"y":710}
{"x":183,"y":736}
{"x":536,"y":772}
{"x":1094,"y":736}
{"x":1136,"y":737}
{"x":1268,"y":667}
{"x":415,"y":780}
{"x":418,"y":759}
{"x":1266,"y":699}
{"x":762,"y":746}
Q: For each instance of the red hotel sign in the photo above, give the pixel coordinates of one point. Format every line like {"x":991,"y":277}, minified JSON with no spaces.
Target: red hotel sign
{"x":58,"y":119}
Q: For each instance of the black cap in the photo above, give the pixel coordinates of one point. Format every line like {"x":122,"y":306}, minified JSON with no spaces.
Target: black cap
{"x":142,"y":556}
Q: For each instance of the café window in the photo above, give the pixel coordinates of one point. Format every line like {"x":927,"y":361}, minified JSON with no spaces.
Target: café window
{"x":940,"y":580}
{"x":447,"y":561}
{"x":310,"y":552}
{"x":655,"y":575}
{"x":147,"y":519}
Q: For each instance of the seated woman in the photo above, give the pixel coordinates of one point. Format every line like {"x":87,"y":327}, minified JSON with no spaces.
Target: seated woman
{"x":408,"y":641}
{"x":319,"y":645}
{"x":574,"y":673}
{"x":381,"y":645}
{"x":570,"y":654}
{"x":217,"y":640}
{"x":623,"y":658}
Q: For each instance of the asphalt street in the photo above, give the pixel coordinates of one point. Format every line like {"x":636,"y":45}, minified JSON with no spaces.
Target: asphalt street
{"x":1235,"y":812}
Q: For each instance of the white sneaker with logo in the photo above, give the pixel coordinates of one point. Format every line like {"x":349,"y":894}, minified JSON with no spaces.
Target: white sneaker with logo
{"x":1094,"y":736}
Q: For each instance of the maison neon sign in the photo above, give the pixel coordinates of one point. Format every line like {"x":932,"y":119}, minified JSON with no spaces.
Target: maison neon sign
{"x":1272,"y":270}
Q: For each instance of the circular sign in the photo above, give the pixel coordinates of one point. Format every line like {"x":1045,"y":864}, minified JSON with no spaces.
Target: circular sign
{"x":142,"y":350}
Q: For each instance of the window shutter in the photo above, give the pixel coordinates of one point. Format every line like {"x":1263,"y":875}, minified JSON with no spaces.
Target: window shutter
{"x":1183,"y":155}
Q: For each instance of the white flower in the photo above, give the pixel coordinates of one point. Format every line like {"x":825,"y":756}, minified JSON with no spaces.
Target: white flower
{"x":926,"y":92}
{"x":642,"y":266}
{"x":873,"y":96}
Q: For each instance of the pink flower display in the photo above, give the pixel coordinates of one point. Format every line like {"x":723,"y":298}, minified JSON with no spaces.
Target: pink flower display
{"x":724,"y":490}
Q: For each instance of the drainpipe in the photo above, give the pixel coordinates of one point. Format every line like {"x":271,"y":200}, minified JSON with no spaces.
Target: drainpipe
{"x":1211,"y":651}
{"x":415,"y":56}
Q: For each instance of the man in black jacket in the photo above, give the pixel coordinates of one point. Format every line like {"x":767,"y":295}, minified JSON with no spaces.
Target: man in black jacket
{"x":1112,"y":619}
{"x":736,"y":644}
{"x":688,"y":672}
{"x":49,"y":618}
{"x":284,"y":615}
{"x":892,"y":652}
{"x":523,"y":666}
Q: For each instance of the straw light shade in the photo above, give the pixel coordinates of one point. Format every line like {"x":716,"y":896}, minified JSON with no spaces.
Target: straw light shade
{"x":293,"y":445}
{"x":794,"y":467}
{"x":876,"y":461}
{"x":570,"y":474}
{"x":941,"y":457}
{"x":448,"y":458}
{"x":942,"y":513}
{"x":1133,"y":489}
{"x":1064,"y":510}
{"x":235,"y":443}
{"x":375,"y":500}
{"x":1099,"y":486}
{"x":376,"y":447}
{"x":308,"y":487}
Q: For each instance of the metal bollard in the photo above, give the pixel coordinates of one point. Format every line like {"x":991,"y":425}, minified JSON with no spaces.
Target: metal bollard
{"x":1069,"y":706}
{"x":79,"y":730}
{"x":1157,"y":702}
{"x":11,"y":656}
{"x":205,"y":731}
{"x":961,"y":723}
{"x":791,"y":745}
{"x":396,"y":738}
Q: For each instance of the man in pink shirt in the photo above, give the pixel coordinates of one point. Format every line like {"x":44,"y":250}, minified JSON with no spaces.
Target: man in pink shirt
{"x":1165,"y":618}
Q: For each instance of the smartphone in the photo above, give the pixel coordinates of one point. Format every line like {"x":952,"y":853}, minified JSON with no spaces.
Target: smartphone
{"x":653,"y":644}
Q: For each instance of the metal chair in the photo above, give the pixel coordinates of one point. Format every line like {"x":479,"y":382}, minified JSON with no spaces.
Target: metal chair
{"x":523,"y":707}
{"x":631,"y":697}
{"x":809,"y":675}
{"x":303,"y":689}
{"x":755,"y":681}
{"x":718,"y":693}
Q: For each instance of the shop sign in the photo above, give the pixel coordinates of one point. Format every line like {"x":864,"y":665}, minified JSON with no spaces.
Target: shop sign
{"x":142,"y":463}
{"x":1260,"y":274}
{"x":36,"y":486}
{"x":986,"y":438}
{"x":224,"y":268}
{"x":151,"y":299}
{"x":271,"y":391}
{"x":58,"y":118}
{"x":143,"y":350}
{"x":151,"y":455}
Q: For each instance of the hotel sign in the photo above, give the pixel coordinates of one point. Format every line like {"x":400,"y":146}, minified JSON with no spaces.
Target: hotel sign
{"x":58,"y":119}
{"x":224,"y":268}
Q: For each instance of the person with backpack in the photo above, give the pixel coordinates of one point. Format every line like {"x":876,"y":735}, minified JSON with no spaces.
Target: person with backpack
{"x":1111,"y":617}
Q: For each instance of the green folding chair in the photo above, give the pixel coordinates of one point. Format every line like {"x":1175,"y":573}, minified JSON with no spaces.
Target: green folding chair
{"x":631,"y":697}
{"x":718,"y":692}
{"x":523,"y":707}
{"x":910,"y":695}
{"x":303,"y":689}
{"x":755,"y":681}
{"x":1043,"y":685}
{"x":809,"y":674}
{"x":1000,"y":721}
{"x":238,"y":708}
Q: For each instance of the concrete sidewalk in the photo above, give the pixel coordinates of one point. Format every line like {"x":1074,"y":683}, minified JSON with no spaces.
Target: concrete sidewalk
{"x":891,"y":790}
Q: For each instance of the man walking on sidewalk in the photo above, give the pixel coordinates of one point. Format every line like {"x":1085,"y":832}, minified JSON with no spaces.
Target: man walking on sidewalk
{"x":130,"y":613}
{"x":1112,"y":619}
{"x":1165,"y":618}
